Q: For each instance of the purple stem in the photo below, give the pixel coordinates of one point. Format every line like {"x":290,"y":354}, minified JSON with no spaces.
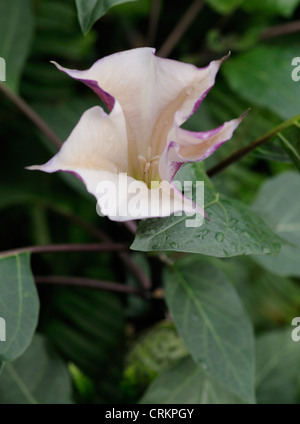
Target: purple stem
{"x":89,"y":282}
{"x":76,"y":247}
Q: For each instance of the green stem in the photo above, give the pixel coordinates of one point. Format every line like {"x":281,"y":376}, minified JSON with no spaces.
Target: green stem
{"x":239,"y":154}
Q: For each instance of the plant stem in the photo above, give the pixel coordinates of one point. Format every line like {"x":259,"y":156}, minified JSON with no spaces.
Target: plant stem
{"x":31,"y":114}
{"x":78,"y":221}
{"x":153,"y":22}
{"x":76,"y":247}
{"x":239,"y":154}
{"x":95,"y":232}
{"x":180,"y":28}
{"x":136,"y":270}
{"x":88,"y":282}
{"x":131,"y":226}
{"x":279,"y":30}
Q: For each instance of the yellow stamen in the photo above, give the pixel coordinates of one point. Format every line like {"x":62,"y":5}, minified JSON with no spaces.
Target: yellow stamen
{"x":148,"y":154}
{"x":149,"y":167}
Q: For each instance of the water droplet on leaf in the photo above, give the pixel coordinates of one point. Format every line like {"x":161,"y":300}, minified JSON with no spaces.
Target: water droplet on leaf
{"x":246,"y":233}
{"x":203,"y":364}
{"x":202,"y":234}
{"x":219,"y":237}
{"x":234,"y":247}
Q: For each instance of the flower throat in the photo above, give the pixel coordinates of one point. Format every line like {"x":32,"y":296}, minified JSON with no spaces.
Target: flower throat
{"x":149,"y":167}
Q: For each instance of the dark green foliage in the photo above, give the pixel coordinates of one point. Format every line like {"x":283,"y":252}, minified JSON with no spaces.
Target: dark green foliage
{"x":215,"y":327}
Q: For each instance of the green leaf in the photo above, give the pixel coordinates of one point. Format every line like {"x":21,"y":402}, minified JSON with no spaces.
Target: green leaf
{"x":224,"y":6}
{"x":278,"y":368}
{"x":273,"y":152}
{"x":89,"y":11}
{"x":152,"y":353}
{"x":288,"y":134}
{"x":272,"y":7}
{"x":277,"y":202}
{"x":213,"y":324}
{"x":232,"y":229}
{"x":37,"y":377}
{"x":269,"y":298}
{"x":16,"y":30}
{"x":87,"y":328}
{"x":11,"y":195}
{"x":252,"y":75}
{"x":57,"y":36}
{"x":19,"y":305}
{"x":187,"y":383}
{"x":290,"y":141}
{"x":220,"y":43}
{"x":59,"y":39}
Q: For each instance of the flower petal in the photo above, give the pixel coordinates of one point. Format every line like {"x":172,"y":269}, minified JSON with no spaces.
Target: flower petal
{"x":150,"y":91}
{"x":97,"y":142}
{"x":189,"y":146}
{"x":123,"y":198}
{"x":197,"y":146}
{"x":170,"y":162}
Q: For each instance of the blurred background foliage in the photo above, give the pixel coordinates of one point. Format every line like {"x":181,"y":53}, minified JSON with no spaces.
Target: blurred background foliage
{"x":103,"y":347}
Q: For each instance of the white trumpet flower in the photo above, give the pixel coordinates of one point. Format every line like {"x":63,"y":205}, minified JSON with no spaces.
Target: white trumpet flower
{"x":148,"y":98}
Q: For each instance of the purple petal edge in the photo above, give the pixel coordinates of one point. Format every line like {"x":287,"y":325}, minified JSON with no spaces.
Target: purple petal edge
{"x":174,"y":166}
{"x":107,"y":98}
{"x":200,"y":100}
